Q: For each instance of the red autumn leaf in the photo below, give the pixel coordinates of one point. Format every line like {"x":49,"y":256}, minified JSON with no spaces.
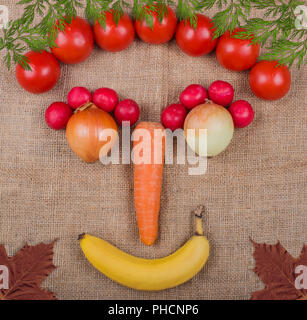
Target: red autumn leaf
{"x":276,"y":268}
{"x":27,"y":270}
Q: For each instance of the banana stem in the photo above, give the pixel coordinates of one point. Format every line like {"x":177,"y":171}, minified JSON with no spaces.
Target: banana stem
{"x":198,"y":212}
{"x":81,"y":236}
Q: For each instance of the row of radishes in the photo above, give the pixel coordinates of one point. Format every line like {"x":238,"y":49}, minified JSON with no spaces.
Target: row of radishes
{"x":172,"y":117}
{"x":219,"y":92}
{"x":58,"y":113}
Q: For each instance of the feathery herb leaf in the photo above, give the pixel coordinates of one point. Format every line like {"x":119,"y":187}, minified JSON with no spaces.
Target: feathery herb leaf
{"x":276,"y":31}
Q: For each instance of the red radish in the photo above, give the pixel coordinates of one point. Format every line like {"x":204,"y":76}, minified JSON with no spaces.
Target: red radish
{"x":242,"y":113}
{"x":105,"y":99}
{"x":193,"y":95}
{"x":57,"y":115}
{"x":173,"y":116}
{"x":221,"y":92}
{"x":78,"y":96}
{"x":127,"y":110}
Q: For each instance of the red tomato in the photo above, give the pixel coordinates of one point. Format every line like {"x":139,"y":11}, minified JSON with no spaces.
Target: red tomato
{"x":161,"y":32}
{"x":44,"y":75}
{"x":236,"y":54}
{"x":268,"y":81}
{"x":114,"y":37}
{"x":196,"y":42}
{"x":76,"y":43}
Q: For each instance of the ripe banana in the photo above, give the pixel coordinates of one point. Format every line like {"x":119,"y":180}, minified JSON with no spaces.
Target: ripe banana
{"x":149,"y":274}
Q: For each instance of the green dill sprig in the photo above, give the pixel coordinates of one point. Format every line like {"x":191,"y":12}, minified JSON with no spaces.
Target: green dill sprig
{"x":17,"y":38}
{"x":144,"y":10}
{"x":230,"y":18}
{"x":187,"y":11}
{"x":278,"y":34}
{"x":95,"y":10}
{"x":118,"y":9}
{"x":287,"y":52}
{"x":276,"y":31}
{"x":20,"y":35}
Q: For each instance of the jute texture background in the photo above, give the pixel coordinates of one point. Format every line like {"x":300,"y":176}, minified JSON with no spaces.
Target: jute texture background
{"x":256,"y":188}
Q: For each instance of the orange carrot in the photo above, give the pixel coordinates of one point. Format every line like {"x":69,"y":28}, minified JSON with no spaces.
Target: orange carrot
{"x":148,"y":179}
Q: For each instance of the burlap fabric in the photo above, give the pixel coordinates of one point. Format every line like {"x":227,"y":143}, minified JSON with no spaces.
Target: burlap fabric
{"x":256,"y":188}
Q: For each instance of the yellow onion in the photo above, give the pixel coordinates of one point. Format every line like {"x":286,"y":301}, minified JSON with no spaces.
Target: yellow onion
{"x":219,"y":124}
{"x":87,"y":133}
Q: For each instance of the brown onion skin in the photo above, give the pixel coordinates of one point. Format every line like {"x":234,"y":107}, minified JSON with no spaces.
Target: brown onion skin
{"x":84,"y":131}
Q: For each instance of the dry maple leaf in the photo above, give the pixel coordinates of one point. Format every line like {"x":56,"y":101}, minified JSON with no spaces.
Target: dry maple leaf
{"x":276,"y":268}
{"x":27,"y":270}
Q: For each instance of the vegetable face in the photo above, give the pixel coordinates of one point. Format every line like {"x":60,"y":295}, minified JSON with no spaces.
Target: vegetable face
{"x":236,"y":54}
{"x":268,"y":81}
{"x":196,"y":42}
{"x":219,"y":124}
{"x":114,"y":37}
{"x":76,"y":43}
{"x":88,"y":135}
{"x":44,"y":75}
{"x":161,"y":32}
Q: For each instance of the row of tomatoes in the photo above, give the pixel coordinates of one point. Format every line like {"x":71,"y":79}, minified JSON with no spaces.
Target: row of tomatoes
{"x":267,"y":80}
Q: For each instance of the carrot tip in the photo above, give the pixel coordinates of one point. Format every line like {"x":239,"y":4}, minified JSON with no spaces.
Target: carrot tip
{"x":148,"y":242}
